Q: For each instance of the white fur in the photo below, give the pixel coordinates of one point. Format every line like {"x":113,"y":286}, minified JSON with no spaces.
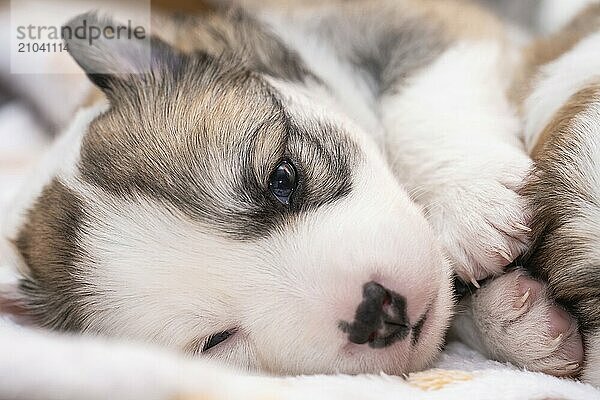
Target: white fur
{"x":265,"y":296}
{"x":554,"y":14}
{"x":22,"y":143}
{"x":352,"y":91}
{"x":58,"y":161}
{"x":557,"y":82}
{"x":452,"y":141}
{"x":592,"y":373}
{"x":443,"y":129}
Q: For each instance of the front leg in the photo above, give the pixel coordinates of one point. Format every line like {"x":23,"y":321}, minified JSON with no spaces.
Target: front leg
{"x":452,"y":139}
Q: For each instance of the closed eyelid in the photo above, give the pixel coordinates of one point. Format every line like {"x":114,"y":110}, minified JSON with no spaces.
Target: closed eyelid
{"x":203,"y":343}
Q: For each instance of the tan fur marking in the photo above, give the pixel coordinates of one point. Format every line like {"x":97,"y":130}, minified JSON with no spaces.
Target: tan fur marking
{"x":578,"y":103}
{"x":46,"y":238}
{"x":48,"y":245}
{"x":95,"y":96}
{"x":463,"y":18}
{"x":548,"y":49}
{"x":180,"y":5}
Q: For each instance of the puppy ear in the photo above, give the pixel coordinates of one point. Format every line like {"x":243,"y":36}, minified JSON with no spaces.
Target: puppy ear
{"x":12,"y":304}
{"x":113,"y":55}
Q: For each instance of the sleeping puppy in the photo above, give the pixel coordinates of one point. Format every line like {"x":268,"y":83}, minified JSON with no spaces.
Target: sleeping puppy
{"x":285,"y":190}
{"x":562,"y":133}
{"x":559,"y":93}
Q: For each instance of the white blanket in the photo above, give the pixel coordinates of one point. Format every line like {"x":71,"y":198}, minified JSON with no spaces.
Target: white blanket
{"x":36,"y":365}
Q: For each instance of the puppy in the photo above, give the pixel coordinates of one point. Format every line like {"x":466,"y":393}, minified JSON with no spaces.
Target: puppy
{"x":562,"y":132}
{"x":559,"y":93}
{"x":287,"y":190}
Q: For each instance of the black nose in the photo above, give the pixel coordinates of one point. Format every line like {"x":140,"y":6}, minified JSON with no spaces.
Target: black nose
{"x":380,"y":318}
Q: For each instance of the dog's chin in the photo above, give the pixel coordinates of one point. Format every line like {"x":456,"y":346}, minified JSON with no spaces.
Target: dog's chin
{"x":428,"y":330}
{"x":432,"y":334}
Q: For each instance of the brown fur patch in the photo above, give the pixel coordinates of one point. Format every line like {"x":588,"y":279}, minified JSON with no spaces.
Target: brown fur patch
{"x":205,"y":143}
{"x":201,"y":131}
{"x":194,"y":6}
{"x":48,"y":244}
{"x":463,"y":19}
{"x":564,"y":196}
{"x":94,"y":97}
{"x":234,"y":33}
{"x":559,"y":124}
{"x":546,"y":50}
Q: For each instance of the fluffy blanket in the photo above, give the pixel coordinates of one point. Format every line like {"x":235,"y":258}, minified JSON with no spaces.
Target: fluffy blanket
{"x":38,"y":365}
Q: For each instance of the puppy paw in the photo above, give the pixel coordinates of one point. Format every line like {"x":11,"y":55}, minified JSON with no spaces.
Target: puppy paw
{"x":518,"y":322}
{"x":481,"y":220}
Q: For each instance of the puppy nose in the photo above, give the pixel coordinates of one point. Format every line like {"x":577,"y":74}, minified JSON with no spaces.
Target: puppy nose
{"x":380,"y":318}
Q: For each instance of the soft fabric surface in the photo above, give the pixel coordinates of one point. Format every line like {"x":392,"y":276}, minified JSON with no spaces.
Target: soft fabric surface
{"x":75,"y":368}
{"x":459,"y":373}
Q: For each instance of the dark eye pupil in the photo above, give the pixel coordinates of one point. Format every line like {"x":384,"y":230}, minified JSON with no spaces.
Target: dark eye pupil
{"x":216,"y":339}
{"x":282,"y":181}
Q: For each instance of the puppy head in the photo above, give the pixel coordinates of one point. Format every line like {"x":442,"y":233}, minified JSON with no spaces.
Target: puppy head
{"x":564,"y":193}
{"x":219,"y":210}
{"x":564,"y":190}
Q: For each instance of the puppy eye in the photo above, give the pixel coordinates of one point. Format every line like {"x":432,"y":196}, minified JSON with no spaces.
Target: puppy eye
{"x":283,"y":181}
{"x":216,"y":339}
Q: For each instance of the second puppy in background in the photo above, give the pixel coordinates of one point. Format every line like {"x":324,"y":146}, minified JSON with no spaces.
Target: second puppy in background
{"x":562,"y":131}
{"x":559,"y":96}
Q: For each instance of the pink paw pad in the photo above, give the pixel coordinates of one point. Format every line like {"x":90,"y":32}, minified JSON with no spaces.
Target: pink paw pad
{"x":562,"y":331}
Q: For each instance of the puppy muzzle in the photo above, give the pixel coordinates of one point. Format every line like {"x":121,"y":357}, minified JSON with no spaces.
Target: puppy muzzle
{"x":380,"y":319}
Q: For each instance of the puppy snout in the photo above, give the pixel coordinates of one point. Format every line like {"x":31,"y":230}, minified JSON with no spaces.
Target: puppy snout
{"x":380,"y":319}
